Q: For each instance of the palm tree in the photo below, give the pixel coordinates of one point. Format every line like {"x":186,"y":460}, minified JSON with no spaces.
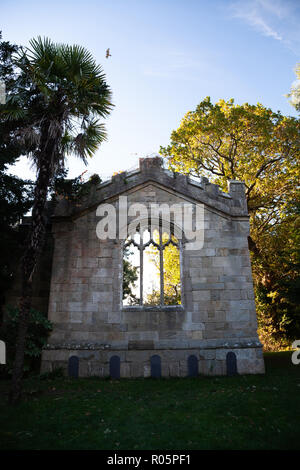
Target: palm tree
{"x":65,"y":94}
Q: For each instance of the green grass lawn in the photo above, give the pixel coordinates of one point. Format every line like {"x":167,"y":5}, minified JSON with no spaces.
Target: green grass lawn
{"x":243,"y":412}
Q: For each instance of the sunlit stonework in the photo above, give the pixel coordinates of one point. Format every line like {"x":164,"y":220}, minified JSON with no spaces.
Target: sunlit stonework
{"x":146,"y":305}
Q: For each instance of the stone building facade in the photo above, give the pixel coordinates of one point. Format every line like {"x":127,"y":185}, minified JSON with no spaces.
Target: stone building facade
{"x":217,"y":312}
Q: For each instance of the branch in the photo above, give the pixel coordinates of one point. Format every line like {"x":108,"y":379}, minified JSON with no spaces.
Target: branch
{"x":261,"y":169}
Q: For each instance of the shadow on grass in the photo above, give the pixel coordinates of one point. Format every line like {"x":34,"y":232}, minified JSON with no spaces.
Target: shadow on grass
{"x":242,"y":412}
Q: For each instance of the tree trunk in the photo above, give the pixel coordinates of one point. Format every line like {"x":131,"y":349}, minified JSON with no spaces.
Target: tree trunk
{"x":33,"y":247}
{"x":24,"y":309}
{"x":253,"y":246}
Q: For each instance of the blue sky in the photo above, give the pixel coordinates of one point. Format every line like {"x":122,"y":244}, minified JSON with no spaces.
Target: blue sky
{"x":166,"y":56}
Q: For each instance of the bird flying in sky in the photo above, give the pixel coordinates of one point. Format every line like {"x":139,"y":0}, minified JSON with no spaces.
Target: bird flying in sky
{"x":107,"y":54}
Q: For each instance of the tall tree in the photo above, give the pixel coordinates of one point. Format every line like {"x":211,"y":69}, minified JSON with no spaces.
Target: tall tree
{"x":244,"y":142}
{"x":65,"y":93}
{"x":15,"y":193}
{"x":251,"y":143}
{"x":278,"y":297}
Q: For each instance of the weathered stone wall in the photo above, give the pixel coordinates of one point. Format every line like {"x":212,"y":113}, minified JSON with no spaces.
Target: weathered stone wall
{"x":217,"y":314}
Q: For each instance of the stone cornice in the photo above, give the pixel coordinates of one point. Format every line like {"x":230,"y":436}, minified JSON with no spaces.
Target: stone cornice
{"x":150,"y":171}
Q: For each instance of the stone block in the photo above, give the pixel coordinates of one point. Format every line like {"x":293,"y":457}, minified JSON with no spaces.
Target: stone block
{"x":197,"y":334}
{"x":200,"y":295}
{"x":137,"y":369}
{"x":174,"y":369}
{"x":125,"y":370}
{"x":147,"y":370}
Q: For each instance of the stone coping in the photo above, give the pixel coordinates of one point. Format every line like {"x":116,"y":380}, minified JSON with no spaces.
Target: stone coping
{"x":150,"y":171}
{"x":202,"y":345}
{"x":154,"y":308}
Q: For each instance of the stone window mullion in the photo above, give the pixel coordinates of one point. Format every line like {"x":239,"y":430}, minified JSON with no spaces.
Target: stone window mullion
{"x":161,"y":266}
{"x":141,"y":268}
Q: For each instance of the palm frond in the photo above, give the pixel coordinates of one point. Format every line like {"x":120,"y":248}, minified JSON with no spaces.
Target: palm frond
{"x":68,"y":94}
{"x":87,"y":142}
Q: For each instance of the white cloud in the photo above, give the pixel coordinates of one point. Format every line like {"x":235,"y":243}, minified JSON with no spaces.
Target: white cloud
{"x":275,"y":7}
{"x":272,"y":18}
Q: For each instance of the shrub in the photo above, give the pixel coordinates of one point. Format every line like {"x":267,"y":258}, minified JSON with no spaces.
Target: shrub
{"x":39,"y":328}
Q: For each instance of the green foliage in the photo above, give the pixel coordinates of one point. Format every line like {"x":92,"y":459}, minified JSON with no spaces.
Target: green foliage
{"x":16,"y":195}
{"x":278,"y":293}
{"x":251,"y":143}
{"x":245,"y":142}
{"x":39,"y":327}
{"x":172,"y":289}
{"x":171,"y":272}
{"x":15,"y":200}
{"x":58,"y":96}
{"x":130,"y":276}
{"x":73,"y":189}
{"x":59,"y":93}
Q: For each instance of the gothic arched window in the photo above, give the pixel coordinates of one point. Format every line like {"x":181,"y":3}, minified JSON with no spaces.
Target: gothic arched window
{"x":151,"y":268}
